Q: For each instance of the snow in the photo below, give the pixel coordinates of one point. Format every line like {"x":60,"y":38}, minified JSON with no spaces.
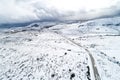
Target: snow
{"x":38,"y":55}
{"x":101,"y":37}
{"x":45,"y":53}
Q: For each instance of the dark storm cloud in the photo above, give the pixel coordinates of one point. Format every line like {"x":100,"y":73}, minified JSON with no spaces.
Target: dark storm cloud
{"x":18,"y":11}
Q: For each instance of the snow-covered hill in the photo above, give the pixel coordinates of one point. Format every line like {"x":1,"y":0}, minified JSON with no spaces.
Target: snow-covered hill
{"x":40,"y":55}
{"x":48,"y":52}
{"x":101,"y":37}
{"x":105,"y":25}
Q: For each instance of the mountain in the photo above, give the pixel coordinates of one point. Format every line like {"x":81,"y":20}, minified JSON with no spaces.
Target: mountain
{"x":61,"y":51}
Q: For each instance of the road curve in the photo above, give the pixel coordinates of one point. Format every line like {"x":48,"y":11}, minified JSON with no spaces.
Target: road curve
{"x":94,"y":67}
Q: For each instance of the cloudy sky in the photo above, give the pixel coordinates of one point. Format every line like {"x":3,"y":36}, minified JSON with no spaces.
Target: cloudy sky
{"x":15,"y":11}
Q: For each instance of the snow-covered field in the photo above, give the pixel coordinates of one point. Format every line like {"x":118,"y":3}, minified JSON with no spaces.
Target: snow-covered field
{"x":35,"y":53}
{"x":40,"y":55}
{"x":101,"y":37}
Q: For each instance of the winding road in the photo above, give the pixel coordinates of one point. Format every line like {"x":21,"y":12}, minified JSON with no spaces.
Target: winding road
{"x":94,"y":69}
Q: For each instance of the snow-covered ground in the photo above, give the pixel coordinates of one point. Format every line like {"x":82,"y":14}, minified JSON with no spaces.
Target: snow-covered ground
{"x":37,"y":53}
{"x":40,"y":55}
{"x":101,"y":37}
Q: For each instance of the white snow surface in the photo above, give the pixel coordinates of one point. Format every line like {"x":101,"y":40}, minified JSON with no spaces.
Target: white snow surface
{"x":40,"y":55}
{"x":36,"y":53}
{"x":101,"y":37}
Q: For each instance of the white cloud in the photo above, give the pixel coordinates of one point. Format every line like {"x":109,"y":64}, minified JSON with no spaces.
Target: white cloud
{"x":13,"y":11}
